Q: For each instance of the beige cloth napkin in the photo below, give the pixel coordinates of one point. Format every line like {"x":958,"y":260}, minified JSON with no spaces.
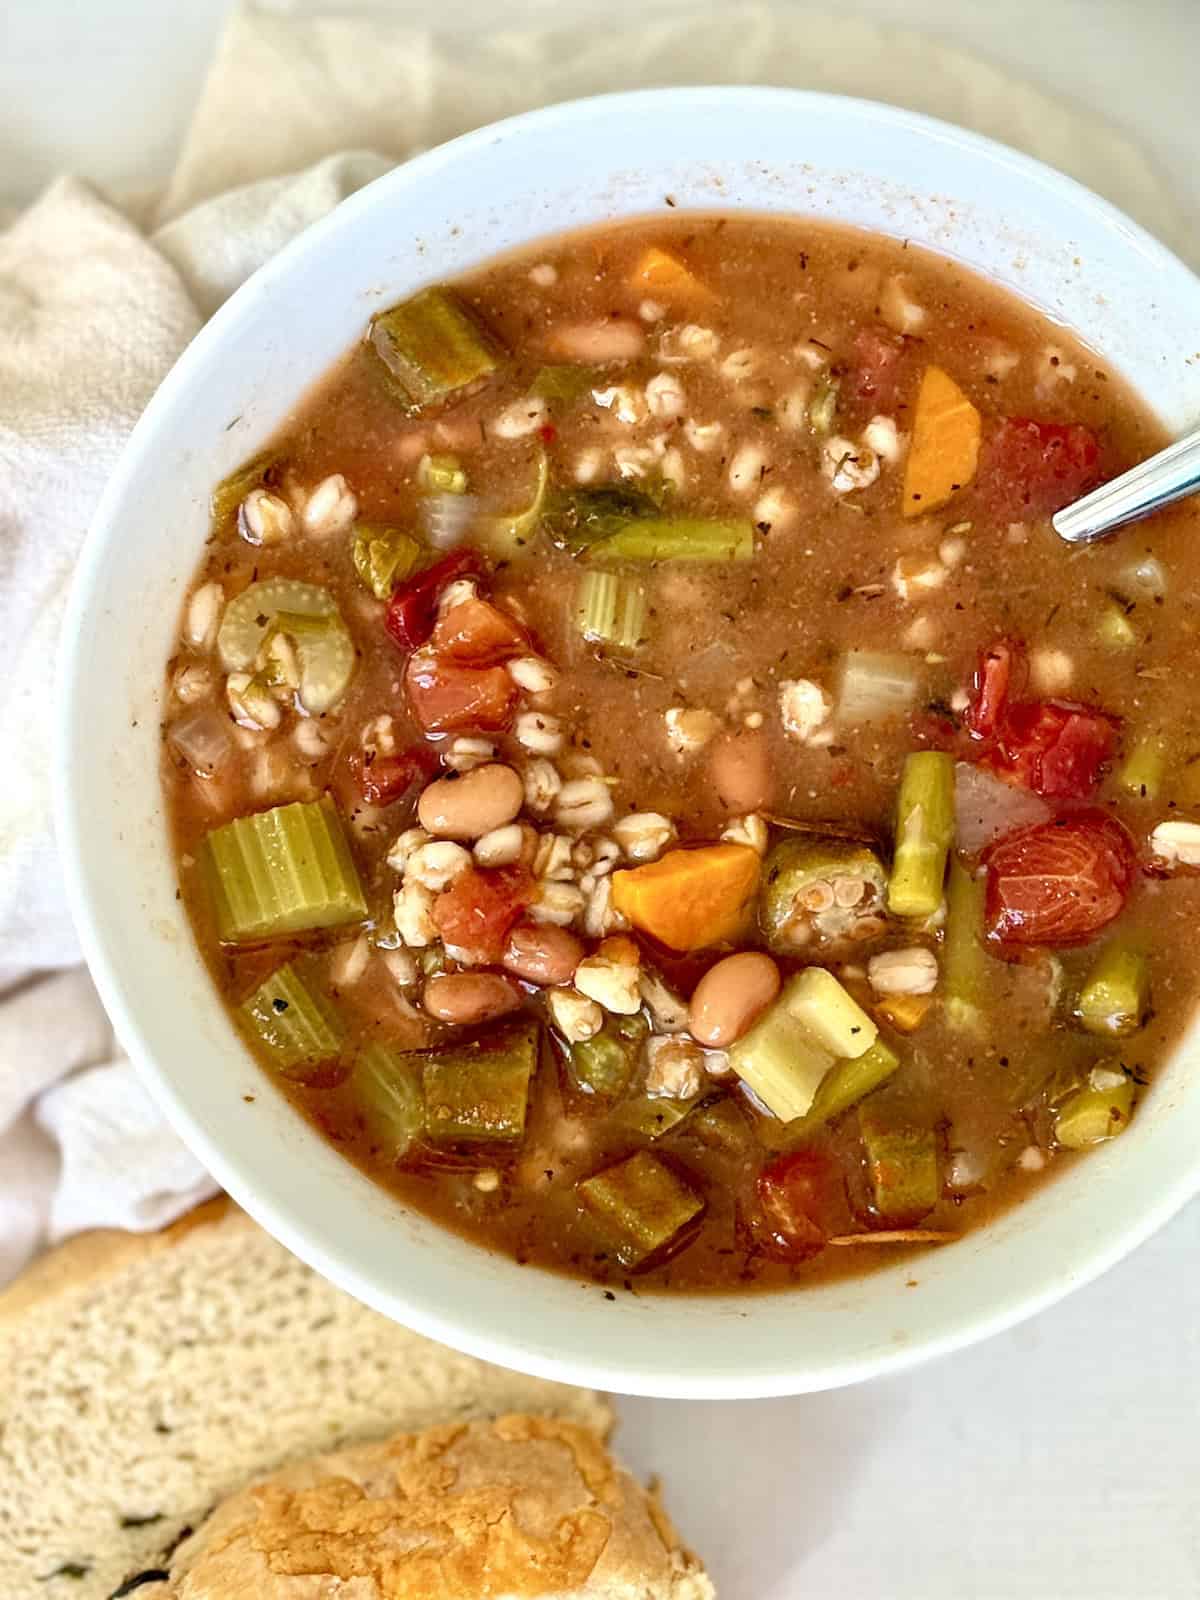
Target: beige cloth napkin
{"x":301,"y":107}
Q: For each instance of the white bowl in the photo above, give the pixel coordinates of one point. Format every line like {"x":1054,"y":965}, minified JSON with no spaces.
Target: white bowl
{"x":753,"y":149}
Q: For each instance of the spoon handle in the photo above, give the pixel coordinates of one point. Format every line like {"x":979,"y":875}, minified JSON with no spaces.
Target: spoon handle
{"x":1152,"y":484}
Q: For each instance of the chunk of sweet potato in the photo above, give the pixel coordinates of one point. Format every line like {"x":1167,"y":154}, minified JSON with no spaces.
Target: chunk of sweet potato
{"x":659,"y":272}
{"x":690,"y":899}
{"x":944,"y":452}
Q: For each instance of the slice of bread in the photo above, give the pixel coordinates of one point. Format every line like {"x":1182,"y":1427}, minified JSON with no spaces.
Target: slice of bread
{"x":144,"y":1377}
{"x":505,"y":1510}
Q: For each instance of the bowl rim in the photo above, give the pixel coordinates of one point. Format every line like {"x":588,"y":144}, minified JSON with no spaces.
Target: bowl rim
{"x":967,"y":1324}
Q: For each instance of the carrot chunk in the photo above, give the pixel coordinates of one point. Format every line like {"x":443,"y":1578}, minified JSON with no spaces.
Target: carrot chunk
{"x":945,"y":444}
{"x":658,"y":272}
{"x":690,"y":899}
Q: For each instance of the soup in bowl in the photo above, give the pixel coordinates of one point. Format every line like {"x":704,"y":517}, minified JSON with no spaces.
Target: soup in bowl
{"x":645,"y":782}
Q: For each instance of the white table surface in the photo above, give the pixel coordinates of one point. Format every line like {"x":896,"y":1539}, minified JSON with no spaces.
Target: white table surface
{"x":1057,"y":1461}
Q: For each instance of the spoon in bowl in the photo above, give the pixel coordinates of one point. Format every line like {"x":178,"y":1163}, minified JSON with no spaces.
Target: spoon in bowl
{"x":1156,"y":482}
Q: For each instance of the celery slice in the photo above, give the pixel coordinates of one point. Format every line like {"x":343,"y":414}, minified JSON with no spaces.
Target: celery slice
{"x":560,"y":385}
{"x":431,"y":346}
{"x":641,"y":1207}
{"x":780,"y":1060}
{"x":292,"y":1020}
{"x":924,"y":834}
{"x":505,"y":536}
{"x":833,"y":1018}
{"x":611,"y":609}
{"x":964,"y":955}
{"x":478,"y":1093}
{"x":322,"y":640}
{"x":386,"y":1085}
{"x":677,"y":539}
{"x":326,"y":657}
{"x":383,"y":556}
{"x":231,"y":491}
{"x":1142,"y":771}
{"x":1114,"y":998}
{"x":281,"y":871}
{"x":1114,"y":629}
{"x":441,"y":475}
{"x":1098,"y":1110}
{"x":902,"y":1171}
{"x":847,"y":1083}
{"x":604,"y":1064}
{"x":876,"y":685}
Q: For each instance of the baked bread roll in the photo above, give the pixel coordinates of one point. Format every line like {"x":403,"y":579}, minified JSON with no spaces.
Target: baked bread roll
{"x":519,"y":1507}
{"x":144,"y":1377}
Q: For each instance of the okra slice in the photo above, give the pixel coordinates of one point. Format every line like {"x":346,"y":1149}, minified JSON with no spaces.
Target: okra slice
{"x":292,"y":1020}
{"x":650,"y":1116}
{"x":640,"y":1206}
{"x":432,"y":346}
{"x":820,"y":892}
{"x":281,"y":871}
{"x":924,"y":834}
{"x":231,"y":491}
{"x":1115,"y":995}
{"x":479,"y":1093}
{"x":1098,"y":1110}
{"x":902,"y":1171}
{"x":386,"y":1086}
{"x":604,"y":1065}
{"x":384,"y":556}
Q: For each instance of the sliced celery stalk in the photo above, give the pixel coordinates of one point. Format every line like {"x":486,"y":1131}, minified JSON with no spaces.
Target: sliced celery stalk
{"x":822,"y":408}
{"x":650,"y":1116}
{"x":505,"y":536}
{"x":844,"y":1085}
{"x":604,"y":1064}
{"x":281,"y":871}
{"x":249,"y":617}
{"x":641,"y":1207}
{"x":292,"y":1020}
{"x":876,"y":685}
{"x":902,"y":1171}
{"x":431,"y":346}
{"x":781,"y":1062}
{"x":231,"y":491}
{"x":479,"y":1093}
{"x":326,"y":656}
{"x":834,"y":1019}
{"x":818,"y":892}
{"x":924,"y":834}
{"x":1098,"y":1110}
{"x":1141,"y":773}
{"x":560,"y":385}
{"x":677,"y":539}
{"x":384,"y":556}
{"x":441,"y":475}
{"x":1114,"y":629}
{"x":611,"y":609}
{"x":964,"y":955}
{"x":1114,"y":998}
{"x":386,"y":1085}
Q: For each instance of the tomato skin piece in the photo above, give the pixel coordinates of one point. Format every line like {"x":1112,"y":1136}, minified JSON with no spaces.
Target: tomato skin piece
{"x":412,"y":610}
{"x":1058,"y":883}
{"x":1030,"y":468}
{"x":448,"y":697}
{"x":387,"y":779}
{"x":793,"y":1197}
{"x":993,"y":686}
{"x":876,"y":367}
{"x":479,"y":633}
{"x":479,"y":909}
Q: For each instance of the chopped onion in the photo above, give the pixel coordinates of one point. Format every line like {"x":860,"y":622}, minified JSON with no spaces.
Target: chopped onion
{"x":985,"y":807}
{"x":203,"y":740}
{"x":447,"y":518}
{"x":876,"y":685}
{"x":1147,"y":576}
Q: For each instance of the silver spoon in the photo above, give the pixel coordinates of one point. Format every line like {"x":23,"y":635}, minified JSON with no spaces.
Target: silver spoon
{"x":1152,"y":484}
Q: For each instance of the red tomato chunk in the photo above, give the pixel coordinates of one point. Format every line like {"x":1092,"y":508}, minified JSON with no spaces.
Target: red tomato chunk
{"x":412,"y":610}
{"x":477,"y":911}
{"x":1053,"y":747}
{"x":1032,"y":469}
{"x":793,"y":1196}
{"x":447,"y":697}
{"x":1058,"y":883}
{"x":479,"y":633}
{"x":386,"y":779}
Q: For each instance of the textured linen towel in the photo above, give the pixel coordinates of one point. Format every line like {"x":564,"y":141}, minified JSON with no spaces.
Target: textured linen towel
{"x":303,"y":105}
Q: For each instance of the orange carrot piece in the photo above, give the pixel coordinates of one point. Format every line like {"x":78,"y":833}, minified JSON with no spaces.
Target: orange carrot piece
{"x":658,"y":272}
{"x":690,"y":899}
{"x":944,"y":452}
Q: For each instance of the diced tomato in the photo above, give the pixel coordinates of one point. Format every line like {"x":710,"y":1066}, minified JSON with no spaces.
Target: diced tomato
{"x":876,"y":368}
{"x":412,"y":610}
{"x":383,"y":780}
{"x":448,"y":697}
{"x":479,"y":908}
{"x":1053,"y":747}
{"x":793,"y":1198}
{"x":478,"y":632}
{"x":993,"y":685}
{"x":1060,"y":882}
{"x":1032,"y":469}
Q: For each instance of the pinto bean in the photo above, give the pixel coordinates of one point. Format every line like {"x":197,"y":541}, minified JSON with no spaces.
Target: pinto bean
{"x":469,"y":997}
{"x":479,"y":801}
{"x":730,"y":996}
{"x":542,"y":953}
{"x":740,"y":765}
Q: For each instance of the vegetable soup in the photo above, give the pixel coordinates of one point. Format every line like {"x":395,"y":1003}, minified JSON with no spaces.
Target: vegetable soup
{"x":649,"y":783}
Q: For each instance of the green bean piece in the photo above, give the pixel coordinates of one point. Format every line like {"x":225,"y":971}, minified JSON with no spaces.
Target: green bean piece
{"x":432,"y":346}
{"x":384,"y":556}
{"x":227,"y":497}
{"x":640,"y":1206}
{"x":924,"y":834}
{"x":820,"y":892}
{"x":700,"y":539}
{"x":478,"y":1093}
{"x":1098,"y":1110}
{"x":1141,"y":773}
{"x":292,"y":1020}
{"x":1114,"y":998}
{"x":964,"y":955}
{"x":902,"y":1170}
{"x":387,"y":1089}
{"x":281,"y":871}
{"x":843,"y":1086}
{"x":604,"y":1065}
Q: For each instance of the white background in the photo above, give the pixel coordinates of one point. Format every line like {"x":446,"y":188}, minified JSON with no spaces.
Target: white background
{"x":1061,"y":1460}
